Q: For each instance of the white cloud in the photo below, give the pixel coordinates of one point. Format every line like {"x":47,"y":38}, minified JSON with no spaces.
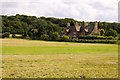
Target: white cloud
{"x":103,"y":10}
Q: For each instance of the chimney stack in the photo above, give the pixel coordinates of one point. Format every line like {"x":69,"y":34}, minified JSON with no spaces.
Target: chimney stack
{"x":85,"y":24}
{"x":68,"y":24}
{"x":96,"y":27}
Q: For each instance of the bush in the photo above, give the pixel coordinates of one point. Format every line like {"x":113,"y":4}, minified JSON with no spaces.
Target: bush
{"x":44,"y":37}
{"x":99,"y":41}
{"x":6,"y":35}
{"x":0,"y":35}
{"x":111,"y":32}
{"x":95,"y":37}
{"x":91,"y":39}
{"x":24,"y":35}
{"x":13,"y":35}
{"x":94,"y":41}
{"x":64,"y":38}
{"x":118,"y":37}
{"x":54,"y":36}
{"x":102,"y":32}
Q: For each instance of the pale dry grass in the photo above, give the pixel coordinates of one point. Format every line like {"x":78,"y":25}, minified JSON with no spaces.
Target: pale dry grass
{"x":60,"y":66}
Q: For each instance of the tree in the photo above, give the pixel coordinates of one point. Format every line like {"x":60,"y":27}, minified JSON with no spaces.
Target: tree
{"x":33,"y":34}
{"x":41,"y":30}
{"x":13,"y":35}
{"x":111,"y":32}
{"x":22,"y":24}
{"x":44,"y":37}
{"x":24,"y":35}
{"x":6,"y":35}
{"x":102,"y":32}
{"x":54,"y":36}
{"x":72,"y":23}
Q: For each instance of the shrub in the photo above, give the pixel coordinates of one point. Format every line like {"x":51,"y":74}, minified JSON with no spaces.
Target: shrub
{"x":54,"y":36}
{"x":111,"y":32}
{"x":92,"y":41}
{"x":0,"y":35}
{"x":6,"y":35}
{"x":44,"y":37}
{"x":13,"y":35}
{"x":119,"y":37}
{"x":102,"y":32}
{"x":95,"y":41}
{"x":64,"y":38}
{"x":95,"y":37}
{"x":98,"y":41}
{"x":24,"y":35}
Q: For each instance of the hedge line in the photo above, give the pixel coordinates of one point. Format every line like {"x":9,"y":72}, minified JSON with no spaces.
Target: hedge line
{"x":93,"y":41}
{"x":82,"y":39}
{"x":96,"y":37}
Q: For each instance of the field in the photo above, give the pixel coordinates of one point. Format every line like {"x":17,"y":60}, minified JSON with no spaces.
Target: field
{"x":44,"y":59}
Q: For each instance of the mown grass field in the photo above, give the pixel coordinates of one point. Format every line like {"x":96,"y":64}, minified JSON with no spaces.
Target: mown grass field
{"x":44,"y":59}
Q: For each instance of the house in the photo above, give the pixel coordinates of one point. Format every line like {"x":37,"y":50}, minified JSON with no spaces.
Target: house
{"x":73,"y":31}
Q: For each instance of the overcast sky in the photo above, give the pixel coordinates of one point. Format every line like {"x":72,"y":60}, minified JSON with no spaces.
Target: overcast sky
{"x":87,"y":10}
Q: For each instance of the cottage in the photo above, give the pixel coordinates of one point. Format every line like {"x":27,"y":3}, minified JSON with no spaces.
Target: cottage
{"x":75,"y":30}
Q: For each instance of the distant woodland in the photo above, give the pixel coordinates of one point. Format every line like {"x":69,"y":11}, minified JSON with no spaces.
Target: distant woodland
{"x":36,"y":27}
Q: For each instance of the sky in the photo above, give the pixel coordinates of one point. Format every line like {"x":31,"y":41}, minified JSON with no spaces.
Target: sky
{"x":82,"y":10}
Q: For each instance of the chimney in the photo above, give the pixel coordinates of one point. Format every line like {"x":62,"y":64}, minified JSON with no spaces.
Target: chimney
{"x":77,"y":26}
{"x":85,"y":24}
{"x":96,"y":27}
{"x":68,"y":24}
{"x":95,"y":30}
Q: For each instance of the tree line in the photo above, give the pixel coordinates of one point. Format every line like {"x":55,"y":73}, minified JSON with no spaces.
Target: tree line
{"x":46,"y":27}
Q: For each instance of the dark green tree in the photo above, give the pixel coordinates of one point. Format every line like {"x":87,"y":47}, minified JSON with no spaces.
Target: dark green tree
{"x":44,"y":37}
{"x":102,"y":32}
{"x":54,"y":36}
{"x":111,"y":32}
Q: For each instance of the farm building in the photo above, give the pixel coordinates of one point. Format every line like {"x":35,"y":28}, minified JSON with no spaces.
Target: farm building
{"x":75,"y":30}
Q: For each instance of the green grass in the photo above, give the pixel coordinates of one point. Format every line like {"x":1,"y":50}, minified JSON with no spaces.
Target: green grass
{"x":59,"y":50}
{"x":44,"y":59}
{"x":43,"y":47}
